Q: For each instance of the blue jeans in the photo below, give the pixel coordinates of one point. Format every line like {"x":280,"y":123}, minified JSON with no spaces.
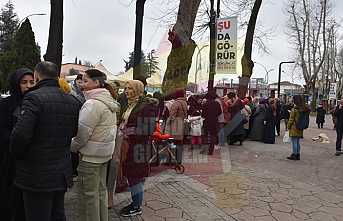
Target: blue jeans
{"x":295,"y":145}
{"x":137,"y":192}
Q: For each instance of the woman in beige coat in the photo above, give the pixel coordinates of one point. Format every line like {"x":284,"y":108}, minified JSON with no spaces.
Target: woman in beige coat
{"x":95,"y":141}
{"x":175,"y":122}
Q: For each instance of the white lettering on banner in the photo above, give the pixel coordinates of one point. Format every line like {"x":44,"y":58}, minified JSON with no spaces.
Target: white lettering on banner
{"x":226,"y":55}
{"x":332,"y":92}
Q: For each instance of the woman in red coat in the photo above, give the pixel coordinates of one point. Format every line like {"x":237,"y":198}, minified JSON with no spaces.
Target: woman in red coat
{"x":138,"y":124}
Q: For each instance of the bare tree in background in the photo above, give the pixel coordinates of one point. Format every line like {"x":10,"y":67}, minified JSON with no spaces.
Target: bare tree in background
{"x":180,"y":57}
{"x":241,"y":8}
{"x":55,"y":42}
{"x":308,"y":22}
{"x":339,"y":73}
{"x":328,"y":70}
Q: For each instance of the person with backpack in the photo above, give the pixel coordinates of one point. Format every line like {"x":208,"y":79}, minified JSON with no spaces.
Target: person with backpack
{"x":298,"y":122}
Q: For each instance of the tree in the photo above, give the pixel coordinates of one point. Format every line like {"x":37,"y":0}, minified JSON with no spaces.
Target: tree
{"x":55,"y":41}
{"x":131,"y":61}
{"x":247,"y":63}
{"x":8,"y":26}
{"x":152,"y":63}
{"x":183,"y":46}
{"x":149,"y":64}
{"x":339,"y":73}
{"x":24,"y":52}
{"x":26,"y":49}
{"x":308,"y":28}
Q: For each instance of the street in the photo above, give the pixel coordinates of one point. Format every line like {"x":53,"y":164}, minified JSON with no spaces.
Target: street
{"x":253,"y":182}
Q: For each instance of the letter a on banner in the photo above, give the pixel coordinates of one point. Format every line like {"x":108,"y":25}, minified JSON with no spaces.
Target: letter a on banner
{"x":226,"y":51}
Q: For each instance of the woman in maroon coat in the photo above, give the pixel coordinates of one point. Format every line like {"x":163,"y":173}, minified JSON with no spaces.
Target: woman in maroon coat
{"x":138,"y":124}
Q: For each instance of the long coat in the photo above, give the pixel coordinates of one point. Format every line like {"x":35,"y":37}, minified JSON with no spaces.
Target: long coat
{"x":269,"y":127}
{"x":320,"y":115}
{"x":139,"y":127}
{"x":175,"y":122}
{"x":257,"y":129}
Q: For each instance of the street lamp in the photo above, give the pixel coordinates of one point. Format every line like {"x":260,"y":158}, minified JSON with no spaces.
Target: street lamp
{"x":279,"y":80}
{"x":29,"y":16}
{"x":266,"y":77}
{"x":196,"y":65}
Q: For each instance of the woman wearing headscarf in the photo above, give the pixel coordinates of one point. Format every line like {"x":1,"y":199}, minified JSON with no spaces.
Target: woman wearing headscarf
{"x":175,"y":122}
{"x":95,"y":141}
{"x":136,"y":127}
{"x":11,"y":201}
{"x":269,"y":122}
{"x":257,"y":129}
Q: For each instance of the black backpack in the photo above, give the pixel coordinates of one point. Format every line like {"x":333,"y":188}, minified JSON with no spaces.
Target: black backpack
{"x":303,"y":120}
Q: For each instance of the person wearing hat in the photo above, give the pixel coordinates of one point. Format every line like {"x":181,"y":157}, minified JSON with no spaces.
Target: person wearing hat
{"x":11,"y":200}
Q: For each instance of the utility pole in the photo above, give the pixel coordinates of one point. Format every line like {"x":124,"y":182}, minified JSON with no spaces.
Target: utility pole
{"x":279,"y":80}
{"x":212,"y":47}
{"x":137,"y":73}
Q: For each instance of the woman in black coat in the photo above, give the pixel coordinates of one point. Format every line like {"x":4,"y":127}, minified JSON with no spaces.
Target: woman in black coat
{"x":320,"y":119}
{"x":11,"y":205}
{"x":270,"y":122}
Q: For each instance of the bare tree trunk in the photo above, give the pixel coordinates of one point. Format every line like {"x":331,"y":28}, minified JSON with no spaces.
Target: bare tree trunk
{"x":180,"y":57}
{"x":247,"y":63}
{"x":55,"y":42}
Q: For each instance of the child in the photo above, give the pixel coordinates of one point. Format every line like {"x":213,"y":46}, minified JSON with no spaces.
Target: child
{"x":196,"y":125}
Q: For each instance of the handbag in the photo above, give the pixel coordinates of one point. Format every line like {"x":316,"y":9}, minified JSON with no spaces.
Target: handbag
{"x":286,"y":138}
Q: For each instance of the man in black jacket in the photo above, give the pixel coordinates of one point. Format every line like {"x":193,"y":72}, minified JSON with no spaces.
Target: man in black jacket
{"x":339,"y":127}
{"x":41,"y":141}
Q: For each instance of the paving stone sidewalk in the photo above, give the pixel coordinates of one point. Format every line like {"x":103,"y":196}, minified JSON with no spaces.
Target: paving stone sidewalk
{"x":240,"y":195}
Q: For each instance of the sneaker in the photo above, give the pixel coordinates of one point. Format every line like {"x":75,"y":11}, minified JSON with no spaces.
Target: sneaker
{"x":338,"y":153}
{"x":130,"y":211}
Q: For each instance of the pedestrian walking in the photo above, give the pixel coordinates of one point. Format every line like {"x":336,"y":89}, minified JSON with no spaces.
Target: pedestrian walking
{"x":320,"y":119}
{"x":138,"y":124}
{"x":298,"y":122}
{"x":210,"y":112}
{"x":40,"y":141}
{"x":11,"y":202}
{"x":175,"y":121}
{"x":95,"y":142}
{"x":338,"y":114}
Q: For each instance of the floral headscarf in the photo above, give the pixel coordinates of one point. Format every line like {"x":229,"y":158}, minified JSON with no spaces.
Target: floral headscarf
{"x":138,"y":88}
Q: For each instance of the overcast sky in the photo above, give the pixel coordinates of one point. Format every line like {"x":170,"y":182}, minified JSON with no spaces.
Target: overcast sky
{"x":104,"y":30}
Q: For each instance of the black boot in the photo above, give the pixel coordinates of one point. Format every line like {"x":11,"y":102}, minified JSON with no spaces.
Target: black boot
{"x":297,"y":156}
{"x":292,"y":157}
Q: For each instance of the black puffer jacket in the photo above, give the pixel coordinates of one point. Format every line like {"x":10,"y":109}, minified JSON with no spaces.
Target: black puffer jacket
{"x":42,"y":136}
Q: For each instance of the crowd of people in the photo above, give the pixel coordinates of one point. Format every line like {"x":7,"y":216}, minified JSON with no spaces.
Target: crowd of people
{"x":52,"y":132}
